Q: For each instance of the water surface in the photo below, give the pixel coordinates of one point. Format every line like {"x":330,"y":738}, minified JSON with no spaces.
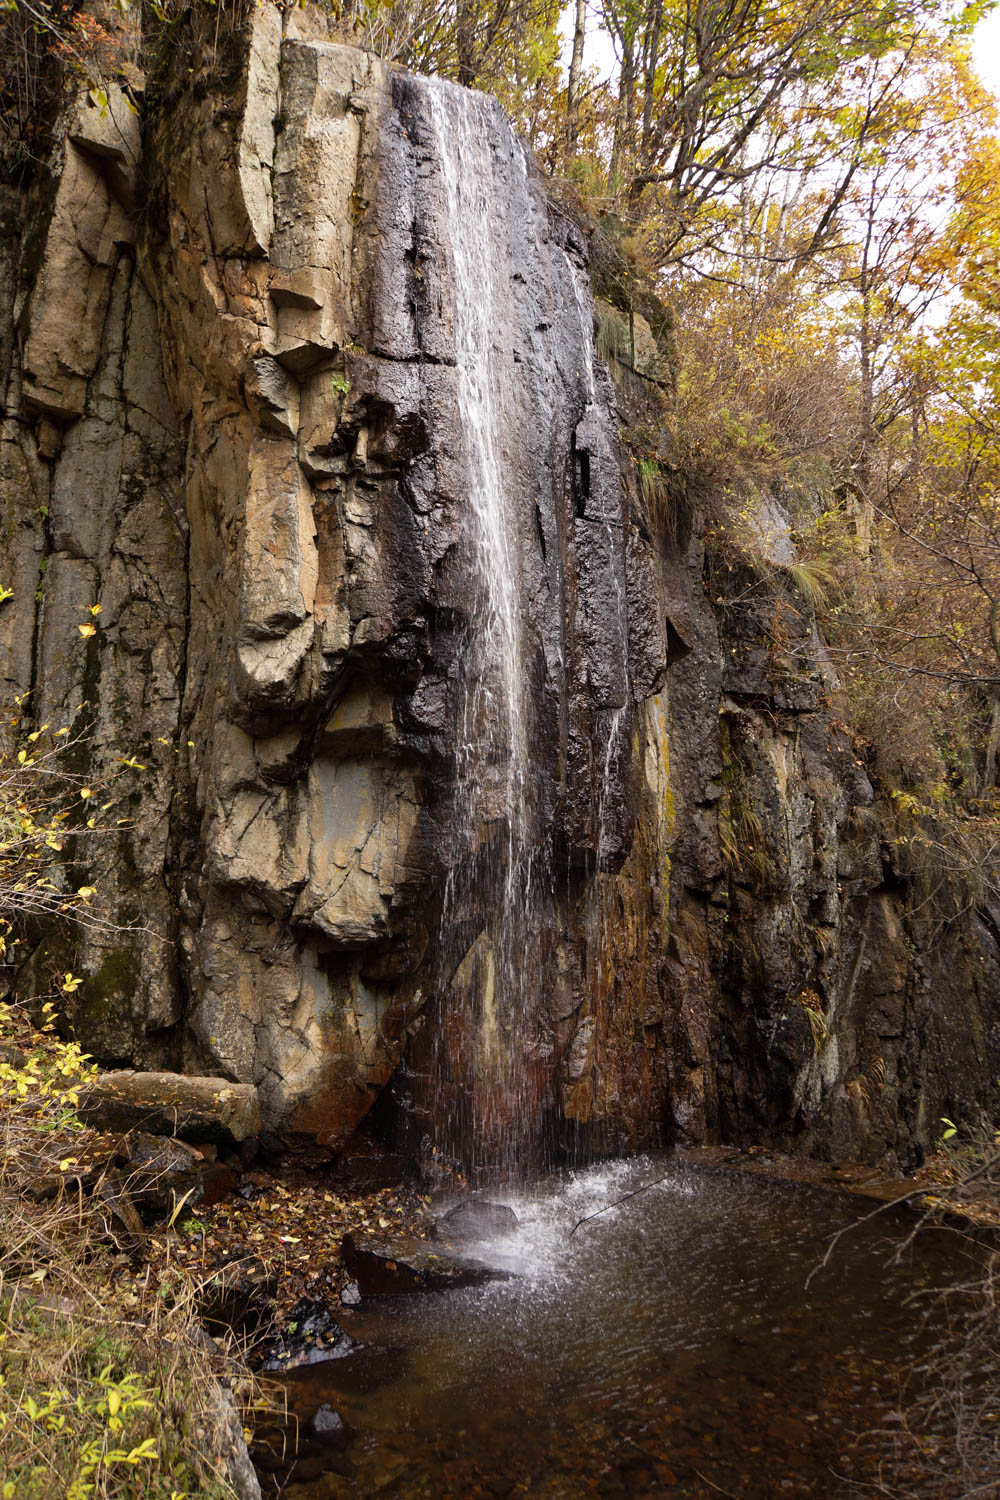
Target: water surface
{"x":688,"y":1342}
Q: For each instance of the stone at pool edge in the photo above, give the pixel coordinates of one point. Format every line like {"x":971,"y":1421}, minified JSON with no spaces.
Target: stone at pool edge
{"x":198,"y":1109}
{"x":311,"y":1335}
{"x":382,"y":1268}
{"x":475,"y":1219}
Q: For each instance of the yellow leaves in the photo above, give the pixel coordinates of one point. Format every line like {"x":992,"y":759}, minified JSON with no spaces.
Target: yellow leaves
{"x":86,"y":891}
{"x":89,"y":629}
{"x":130,"y":762}
{"x":85,"y":792}
{"x":70,"y":983}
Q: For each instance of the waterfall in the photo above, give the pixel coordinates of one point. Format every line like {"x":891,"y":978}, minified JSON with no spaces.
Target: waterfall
{"x":492,"y":772}
{"x":538,"y":681}
{"x":493,"y":710}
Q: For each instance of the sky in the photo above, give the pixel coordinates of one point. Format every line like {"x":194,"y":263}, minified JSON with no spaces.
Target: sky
{"x":985,"y":48}
{"x":986,"y":51}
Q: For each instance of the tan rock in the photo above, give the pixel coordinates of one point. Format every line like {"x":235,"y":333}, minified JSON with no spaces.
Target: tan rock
{"x":209,"y":1109}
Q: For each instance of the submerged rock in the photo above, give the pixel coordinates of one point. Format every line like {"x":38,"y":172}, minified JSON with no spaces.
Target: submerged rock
{"x":328,"y":1425}
{"x":476,"y":1220}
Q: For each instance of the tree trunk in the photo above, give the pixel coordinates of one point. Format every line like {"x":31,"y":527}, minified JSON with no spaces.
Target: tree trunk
{"x":575,"y":71}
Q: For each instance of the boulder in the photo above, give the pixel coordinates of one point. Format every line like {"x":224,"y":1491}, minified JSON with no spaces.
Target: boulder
{"x":160,"y":1173}
{"x":389,"y":1269}
{"x":476,"y":1219}
{"x":199,"y":1109}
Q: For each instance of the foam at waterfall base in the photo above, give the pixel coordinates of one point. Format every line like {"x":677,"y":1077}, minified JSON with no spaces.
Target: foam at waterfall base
{"x":547,"y":1246}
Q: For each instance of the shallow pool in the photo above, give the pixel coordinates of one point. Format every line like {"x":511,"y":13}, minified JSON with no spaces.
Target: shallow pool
{"x":688,"y":1342}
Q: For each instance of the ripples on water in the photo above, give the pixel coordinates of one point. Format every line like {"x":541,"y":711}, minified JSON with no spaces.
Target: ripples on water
{"x":670,"y":1346}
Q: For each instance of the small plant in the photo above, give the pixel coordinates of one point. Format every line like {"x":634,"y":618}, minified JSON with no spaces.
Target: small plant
{"x":340,"y":383}
{"x":813,"y":1007}
{"x":104,"y":1389}
{"x":812,"y":580}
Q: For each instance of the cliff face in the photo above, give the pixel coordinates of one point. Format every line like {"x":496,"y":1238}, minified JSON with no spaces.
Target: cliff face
{"x":302,"y":391}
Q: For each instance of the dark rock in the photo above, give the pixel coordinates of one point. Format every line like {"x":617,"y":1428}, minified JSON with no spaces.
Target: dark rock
{"x":476,"y":1220}
{"x":218,"y":1181}
{"x":238,"y":1297}
{"x":409,"y":1266}
{"x":160,"y":1173}
{"x":328,"y":1425}
{"x":310,"y":1337}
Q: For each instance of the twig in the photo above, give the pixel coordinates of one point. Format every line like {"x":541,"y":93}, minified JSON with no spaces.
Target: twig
{"x":624,"y":1199}
{"x":880,"y":1208}
{"x":711,"y":1482}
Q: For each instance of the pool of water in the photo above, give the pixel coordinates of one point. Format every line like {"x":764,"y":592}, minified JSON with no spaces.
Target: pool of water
{"x":688,"y":1342}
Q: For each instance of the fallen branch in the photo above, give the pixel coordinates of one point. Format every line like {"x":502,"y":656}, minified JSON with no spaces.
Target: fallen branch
{"x":623,"y":1199}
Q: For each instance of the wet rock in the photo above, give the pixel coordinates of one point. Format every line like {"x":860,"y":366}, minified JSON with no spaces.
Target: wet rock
{"x":476,"y":1220}
{"x":311,"y":1336}
{"x":200,"y":1109}
{"x":328,"y":1426}
{"x":381,"y":1269}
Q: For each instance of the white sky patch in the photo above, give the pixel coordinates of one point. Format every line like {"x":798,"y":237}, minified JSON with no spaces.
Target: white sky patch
{"x":986,"y":51}
{"x":599,"y":53}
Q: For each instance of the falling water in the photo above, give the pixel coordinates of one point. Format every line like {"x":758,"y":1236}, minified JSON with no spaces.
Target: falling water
{"x":492,"y":1059}
{"x":492,"y":779}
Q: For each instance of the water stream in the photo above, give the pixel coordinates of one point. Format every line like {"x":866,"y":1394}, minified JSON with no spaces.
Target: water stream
{"x":674,"y":1346}
{"x":501,"y":906}
{"x":491,"y":746}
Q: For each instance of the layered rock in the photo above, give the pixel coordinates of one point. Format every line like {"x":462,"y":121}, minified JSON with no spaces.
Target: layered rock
{"x":290,"y":562}
{"x":251,"y":350}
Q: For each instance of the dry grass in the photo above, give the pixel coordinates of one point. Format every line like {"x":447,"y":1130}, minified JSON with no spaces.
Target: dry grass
{"x":108,"y":1387}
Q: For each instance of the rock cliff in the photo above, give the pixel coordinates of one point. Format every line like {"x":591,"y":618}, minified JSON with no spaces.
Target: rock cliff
{"x":445,"y":772}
